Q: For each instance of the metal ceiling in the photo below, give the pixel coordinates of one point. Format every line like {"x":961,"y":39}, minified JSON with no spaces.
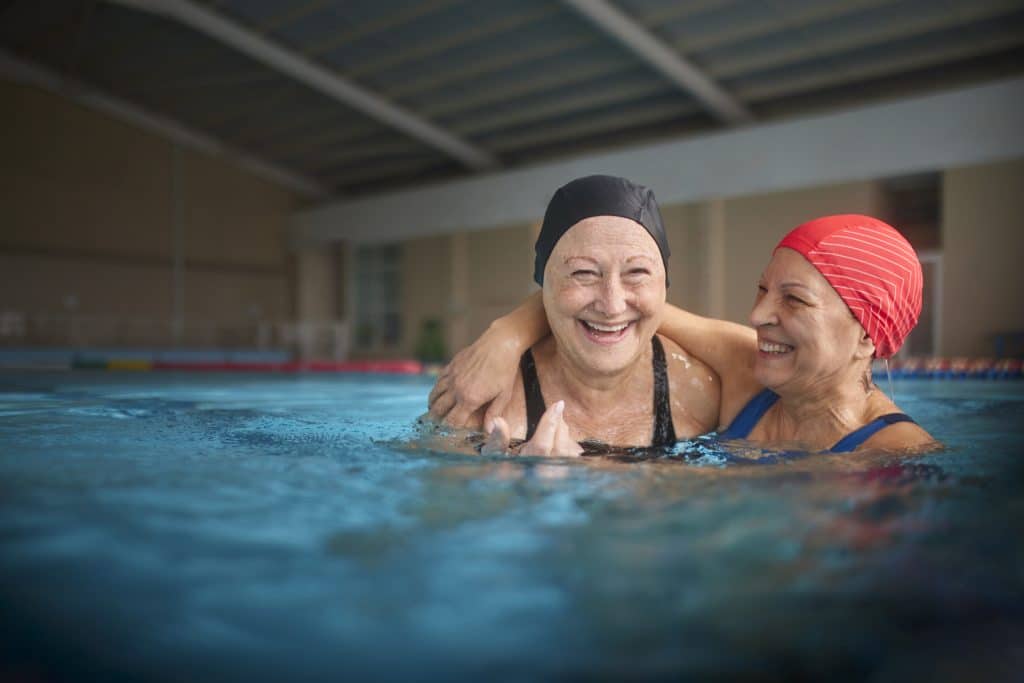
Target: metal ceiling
{"x":362,"y":95}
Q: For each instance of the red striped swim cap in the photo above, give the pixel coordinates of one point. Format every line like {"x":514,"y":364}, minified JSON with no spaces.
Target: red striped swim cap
{"x":873,"y":269}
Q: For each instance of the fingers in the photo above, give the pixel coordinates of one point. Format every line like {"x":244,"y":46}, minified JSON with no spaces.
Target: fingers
{"x":547,"y":428}
{"x":441,"y":405}
{"x":496,"y":408}
{"x":461,"y":416}
{"x":442,"y":385}
{"x":500,"y":436}
{"x":564,"y":443}
{"x":552,"y":435}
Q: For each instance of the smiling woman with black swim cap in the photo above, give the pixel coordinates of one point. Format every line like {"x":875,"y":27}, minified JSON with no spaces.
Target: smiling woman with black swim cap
{"x":603,"y":376}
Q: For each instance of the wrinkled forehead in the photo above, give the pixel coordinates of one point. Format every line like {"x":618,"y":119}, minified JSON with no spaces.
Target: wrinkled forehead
{"x":607,"y":237}
{"x":788,"y":266}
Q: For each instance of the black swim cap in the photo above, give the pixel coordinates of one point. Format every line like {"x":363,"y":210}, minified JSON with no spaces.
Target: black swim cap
{"x":598,"y":195}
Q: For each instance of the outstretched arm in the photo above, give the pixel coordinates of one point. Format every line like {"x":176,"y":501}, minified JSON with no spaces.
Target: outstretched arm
{"x":485,"y":371}
{"x":728,"y":348}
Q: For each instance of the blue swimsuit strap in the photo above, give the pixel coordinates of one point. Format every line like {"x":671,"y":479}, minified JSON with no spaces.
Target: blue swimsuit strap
{"x":751,"y":414}
{"x":854,"y":439}
{"x":755,"y":409}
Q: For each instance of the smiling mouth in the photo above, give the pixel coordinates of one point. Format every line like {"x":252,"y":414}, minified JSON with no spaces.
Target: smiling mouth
{"x":603,"y":333}
{"x":773,"y":348}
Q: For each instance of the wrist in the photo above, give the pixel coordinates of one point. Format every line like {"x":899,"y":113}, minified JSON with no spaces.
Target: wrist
{"x":506,"y":334}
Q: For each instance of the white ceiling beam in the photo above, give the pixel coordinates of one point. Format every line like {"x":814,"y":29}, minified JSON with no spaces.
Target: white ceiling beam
{"x":42,"y":77}
{"x":317,"y":77}
{"x":666,"y":60}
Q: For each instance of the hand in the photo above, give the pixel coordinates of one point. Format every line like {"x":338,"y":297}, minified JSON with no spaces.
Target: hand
{"x":480,"y":374}
{"x":552,"y":435}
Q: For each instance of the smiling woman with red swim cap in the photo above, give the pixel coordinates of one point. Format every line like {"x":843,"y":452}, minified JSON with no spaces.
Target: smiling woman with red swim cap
{"x":837,"y":292}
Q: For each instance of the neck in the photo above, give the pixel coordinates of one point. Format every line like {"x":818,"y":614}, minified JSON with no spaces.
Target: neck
{"x":825,"y":411}
{"x":595,"y":392}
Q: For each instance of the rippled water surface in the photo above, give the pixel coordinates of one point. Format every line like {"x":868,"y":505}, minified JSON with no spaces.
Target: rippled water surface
{"x":239,"y":527}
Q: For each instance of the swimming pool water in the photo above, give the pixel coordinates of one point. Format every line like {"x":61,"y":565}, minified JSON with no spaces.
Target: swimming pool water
{"x":234,"y":527}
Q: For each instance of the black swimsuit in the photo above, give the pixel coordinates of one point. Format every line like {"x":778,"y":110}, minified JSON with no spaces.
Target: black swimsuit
{"x":664,"y":430}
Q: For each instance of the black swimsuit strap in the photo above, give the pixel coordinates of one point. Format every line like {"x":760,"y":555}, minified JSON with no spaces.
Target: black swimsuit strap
{"x":535,"y":407}
{"x":664,"y":430}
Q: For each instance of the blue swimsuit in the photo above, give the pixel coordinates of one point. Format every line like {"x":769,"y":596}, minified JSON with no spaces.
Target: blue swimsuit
{"x":752,"y":413}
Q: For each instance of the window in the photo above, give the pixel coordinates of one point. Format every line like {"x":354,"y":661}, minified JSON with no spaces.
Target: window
{"x":923,"y":340}
{"x":377,"y":290}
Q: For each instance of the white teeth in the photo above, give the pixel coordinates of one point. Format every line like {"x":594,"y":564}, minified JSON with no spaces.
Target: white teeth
{"x":771,"y":347}
{"x":607,"y":328}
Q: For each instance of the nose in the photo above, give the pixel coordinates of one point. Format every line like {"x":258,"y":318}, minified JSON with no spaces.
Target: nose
{"x":612,"y":299}
{"x":764,"y":312}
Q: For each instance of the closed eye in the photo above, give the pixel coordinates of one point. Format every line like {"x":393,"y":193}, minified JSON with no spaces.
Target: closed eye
{"x":585,"y":276}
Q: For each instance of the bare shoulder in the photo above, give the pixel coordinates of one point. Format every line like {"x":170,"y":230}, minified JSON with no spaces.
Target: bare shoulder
{"x":694,"y":390}
{"x":902,"y":436}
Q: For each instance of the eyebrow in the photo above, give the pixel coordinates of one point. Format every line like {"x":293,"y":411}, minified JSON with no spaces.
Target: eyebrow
{"x":590,"y":259}
{"x":789,"y":284}
{"x":798,"y":285}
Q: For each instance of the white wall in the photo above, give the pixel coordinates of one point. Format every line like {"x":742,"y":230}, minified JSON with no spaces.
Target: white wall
{"x":965,"y":126}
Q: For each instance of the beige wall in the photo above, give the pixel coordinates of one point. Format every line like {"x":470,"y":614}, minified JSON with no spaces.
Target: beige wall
{"x":88,"y":215}
{"x":88,"y":224}
{"x":499,"y":273}
{"x":983,"y":242}
{"x":685,"y":228}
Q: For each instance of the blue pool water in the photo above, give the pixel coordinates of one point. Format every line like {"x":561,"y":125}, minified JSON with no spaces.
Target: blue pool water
{"x":229,"y":527}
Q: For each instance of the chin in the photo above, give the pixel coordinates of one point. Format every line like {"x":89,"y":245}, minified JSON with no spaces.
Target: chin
{"x":768,"y":377}
{"x":610,"y":363}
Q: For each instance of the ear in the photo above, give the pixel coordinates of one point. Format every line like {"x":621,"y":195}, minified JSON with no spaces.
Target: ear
{"x":865,"y":347}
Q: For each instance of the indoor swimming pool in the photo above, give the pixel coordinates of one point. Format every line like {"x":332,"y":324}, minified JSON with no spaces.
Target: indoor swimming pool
{"x":175,"y":526}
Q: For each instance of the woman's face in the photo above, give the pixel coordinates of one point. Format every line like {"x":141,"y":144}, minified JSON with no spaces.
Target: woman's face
{"x":604,"y":293}
{"x":806,"y":335}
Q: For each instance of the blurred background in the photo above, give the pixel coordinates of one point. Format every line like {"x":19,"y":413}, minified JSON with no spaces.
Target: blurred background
{"x":364,"y":179}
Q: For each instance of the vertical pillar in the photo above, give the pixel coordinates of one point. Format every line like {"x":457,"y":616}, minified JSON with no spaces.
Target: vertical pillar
{"x":458,"y":298}
{"x":178,"y":257}
{"x":715,"y":258}
{"x":317,"y":300}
